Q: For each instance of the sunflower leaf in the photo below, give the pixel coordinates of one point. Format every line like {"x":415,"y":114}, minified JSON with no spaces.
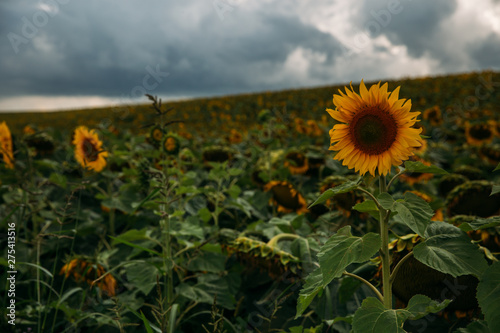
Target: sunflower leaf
{"x":373,"y":317}
{"x":385,"y":200}
{"x":497,"y":168}
{"x":480,"y":223}
{"x":478,"y":326}
{"x":495,"y":189}
{"x":449,"y":250}
{"x":415,"y":212}
{"x":420,"y":306}
{"x":343,"y":188}
{"x":488,"y":295}
{"x":420,"y":167}
{"x":312,"y":287}
{"x":343,"y":249}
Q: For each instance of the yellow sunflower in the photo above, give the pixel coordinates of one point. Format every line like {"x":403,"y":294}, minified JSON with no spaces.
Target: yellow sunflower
{"x":479,"y":133}
{"x":286,"y":197}
{"x":6,"y":150}
{"x":88,"y":149}
{"x":376,"y":130}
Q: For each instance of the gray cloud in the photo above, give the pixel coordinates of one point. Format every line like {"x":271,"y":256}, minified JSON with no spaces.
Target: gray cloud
{"x":95,"y":48}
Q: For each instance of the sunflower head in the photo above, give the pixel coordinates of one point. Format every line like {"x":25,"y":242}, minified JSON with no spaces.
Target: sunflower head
{"x":171,"y":144}
{"x":156,"y":135}
{"x":296,"y":162}
{"x":473,"y":198}
{"x":6,"y":147}
{"x":88,"y":149}
{"x":86,"y":269}
{"x":479,"y":133}
{"x":286,"y":197}
{"x":375,"y":131}
{"x":433,"y":116}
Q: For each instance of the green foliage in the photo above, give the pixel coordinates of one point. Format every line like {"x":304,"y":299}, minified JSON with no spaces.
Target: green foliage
{"x":448,"y":249}
{"x":488,"y":296}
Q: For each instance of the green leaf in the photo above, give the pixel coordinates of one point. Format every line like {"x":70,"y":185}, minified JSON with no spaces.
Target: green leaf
{"x":478,"y":326}
{"x":311,"y":288}
{"x":366,"y":206}
{"x":119,"y":240}
{"x":420,"y":167}
{"x":208,"y":262}
{"x":142,"y":276}
{"x":414,"y":212}
{"x":343,"y":188}
{"x":488,"y":296}
{"x":480,"y":223}
{"x":449,"y":250}
{"x":204,"y":214}
{"x":495,"y":189}
{"x":343,"y":249}
{"x":497,"y":168}
{"x":385,"y":200}
{"x":234,"y":191}
{"x":373,"y":317}
{"x":419,"y":306}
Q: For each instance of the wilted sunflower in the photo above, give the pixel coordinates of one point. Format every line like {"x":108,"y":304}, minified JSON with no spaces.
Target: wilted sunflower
{"x":6,"y":150}
{"x":84,"y":270}
{"x":88,"y":149}
{"x":376,"y":130}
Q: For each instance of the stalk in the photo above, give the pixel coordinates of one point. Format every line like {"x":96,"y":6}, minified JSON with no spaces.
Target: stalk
{"x":384,"y":250}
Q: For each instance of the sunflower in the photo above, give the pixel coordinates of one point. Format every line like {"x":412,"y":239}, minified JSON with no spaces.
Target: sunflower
{"x":376,"y":130}
{"x":490,"y":154}
{"x":156,"y":135}
{"x":433,"y":116}
{"x":88,"y":149}
{"x":235,"y":136}
{"x":448,"y":182}
{"x":473,"y":198}
{"x":85,"y":270}
{"x":296,"y":162}
{"x":479,"y":133}
{"x":6,"y":150}
{"x":171,"y":144}
{"x":286,"y":197}
{"x":313,"y":128}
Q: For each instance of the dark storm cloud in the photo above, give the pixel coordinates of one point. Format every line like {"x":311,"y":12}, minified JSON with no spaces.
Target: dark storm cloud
{"x":413,"y":24}
{"x":487,"y":53}
{"x":110,"y":48}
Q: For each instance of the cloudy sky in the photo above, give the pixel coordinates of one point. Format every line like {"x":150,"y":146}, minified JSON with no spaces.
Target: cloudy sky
{"x":59,"y":54}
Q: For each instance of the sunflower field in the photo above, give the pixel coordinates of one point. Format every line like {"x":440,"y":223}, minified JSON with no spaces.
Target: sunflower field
{"x":282,"y":211}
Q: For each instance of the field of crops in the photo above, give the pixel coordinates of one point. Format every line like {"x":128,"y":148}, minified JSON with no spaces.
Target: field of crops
{"x":196,"y":216}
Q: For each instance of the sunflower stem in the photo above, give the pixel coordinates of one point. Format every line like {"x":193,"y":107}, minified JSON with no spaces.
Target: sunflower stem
{"x":384,"y":250}
{"x":273,"y":241}
{"x":371,"y":286}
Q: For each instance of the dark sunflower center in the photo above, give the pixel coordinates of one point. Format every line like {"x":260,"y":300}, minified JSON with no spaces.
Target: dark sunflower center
{"x":90,"y":150}
{"x":373,"y":130}
{"x":480,"y":132}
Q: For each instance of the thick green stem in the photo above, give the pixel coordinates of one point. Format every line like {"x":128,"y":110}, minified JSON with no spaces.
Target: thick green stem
{"x":384,"y":250}
{"x":273,"y":241}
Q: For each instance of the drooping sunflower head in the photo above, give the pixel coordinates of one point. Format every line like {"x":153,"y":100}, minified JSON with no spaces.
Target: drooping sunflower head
{"x":490,"y":154}
{"x":6,"y":148}
{"x":88,"y":149}
{"x":376,"y":130}
{"x":342,"y":202}
{"x":473,"y":198}
{"x":86,"y":269}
